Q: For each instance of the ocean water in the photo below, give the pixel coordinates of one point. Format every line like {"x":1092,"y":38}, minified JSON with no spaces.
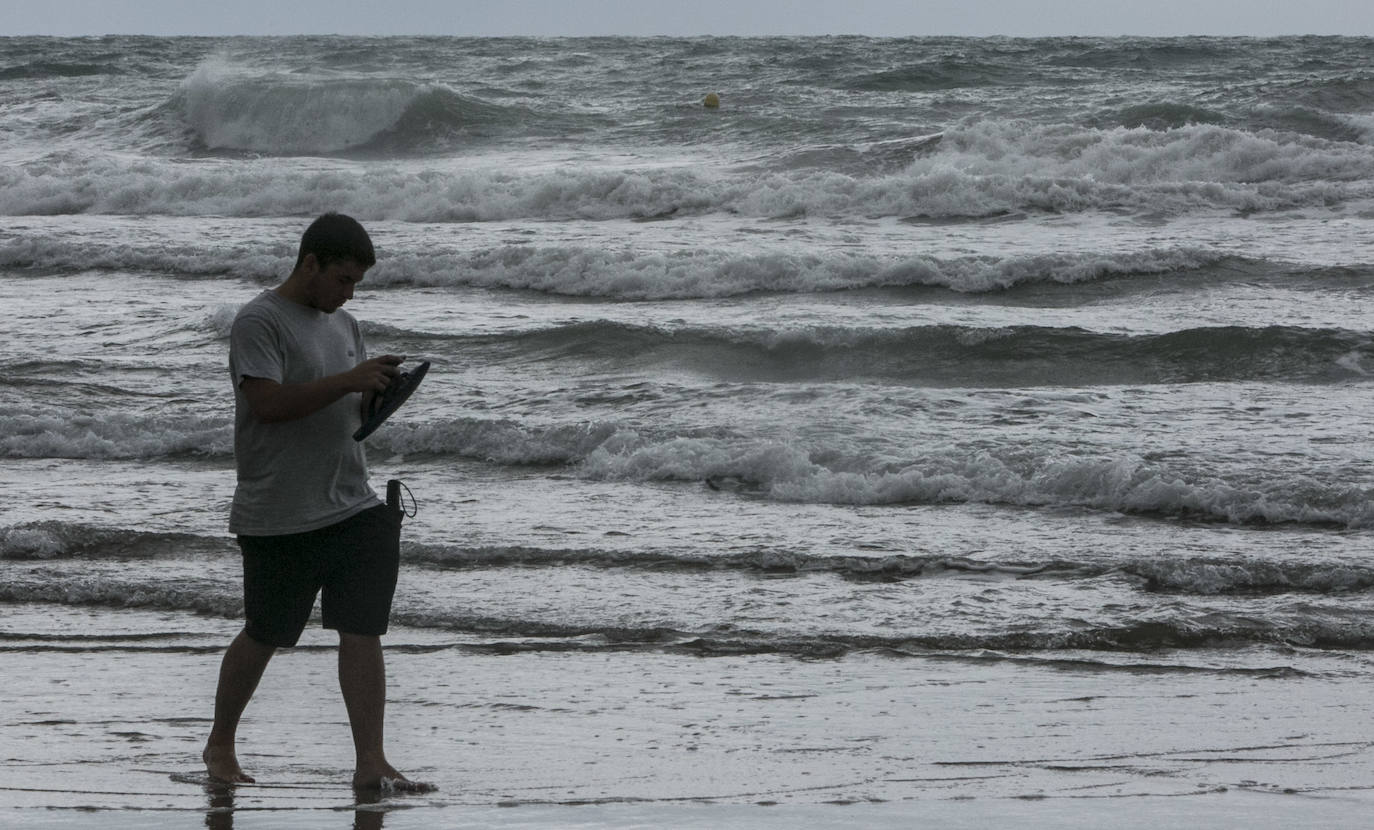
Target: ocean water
{"x":1051,"y":354}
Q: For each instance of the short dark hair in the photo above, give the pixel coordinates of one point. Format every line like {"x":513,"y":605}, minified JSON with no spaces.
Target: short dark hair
{"x":333,"y":237}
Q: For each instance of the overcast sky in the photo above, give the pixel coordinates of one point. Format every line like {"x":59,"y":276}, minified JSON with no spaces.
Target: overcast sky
{"x":688,"y":17}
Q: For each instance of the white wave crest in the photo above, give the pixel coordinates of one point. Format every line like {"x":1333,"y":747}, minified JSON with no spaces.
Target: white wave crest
{"x":504,"y":441}
{"x":230,"y":109}
{"x":115,"y":435}
{"x":981,"y":169}
{"x":790,"y":472}
{"x":64,"y":253}
{"x":220,"y":319}
{"x":626,"y":274}
{"x":1363,"y":123}
{"x":30,"y":543}
{"x":588,"y":271}
{"x":1127,"y":484}
{"x":775,"y":470}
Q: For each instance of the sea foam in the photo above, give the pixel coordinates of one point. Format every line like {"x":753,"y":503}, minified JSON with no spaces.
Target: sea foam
{"x":786,"y":471}
{"x":790,"y":472}
{"x":625,"y":273}
{"x":980,"y":169}
{"x":651,"y":275}
{"x":112,"y":435}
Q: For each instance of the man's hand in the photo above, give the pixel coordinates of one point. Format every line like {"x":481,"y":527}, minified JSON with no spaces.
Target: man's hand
{"x":373,"y":375}
{"x":273,"y":403}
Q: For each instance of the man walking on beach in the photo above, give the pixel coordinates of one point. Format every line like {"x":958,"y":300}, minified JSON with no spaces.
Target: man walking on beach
{"x":307,"y":521}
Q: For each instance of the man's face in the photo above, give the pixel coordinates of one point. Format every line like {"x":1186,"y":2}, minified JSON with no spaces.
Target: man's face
{"x":332,"y":286}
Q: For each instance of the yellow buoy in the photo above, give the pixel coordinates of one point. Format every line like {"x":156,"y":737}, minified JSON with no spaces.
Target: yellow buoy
{"x":711,"y":101}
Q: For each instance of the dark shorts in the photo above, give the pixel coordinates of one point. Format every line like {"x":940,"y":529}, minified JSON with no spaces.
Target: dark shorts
{"x":352,"y":565}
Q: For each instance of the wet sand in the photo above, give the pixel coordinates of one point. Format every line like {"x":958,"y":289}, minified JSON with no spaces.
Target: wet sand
{"x":106,"y":732}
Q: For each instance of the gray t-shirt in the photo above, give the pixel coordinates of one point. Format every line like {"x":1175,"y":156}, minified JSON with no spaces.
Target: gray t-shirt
{"x":308,"y":473}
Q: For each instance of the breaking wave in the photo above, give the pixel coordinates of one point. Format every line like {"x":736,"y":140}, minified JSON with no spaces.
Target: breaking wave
{"x":978,"y":170}
{"x":787,"y":472}
{"x":230,"y":109}
{"x":772,"y":470}
{"x":62,"y":540}
{"x":952,"y":355}
{"x":585,"y":271}
{"x":113,"y":435}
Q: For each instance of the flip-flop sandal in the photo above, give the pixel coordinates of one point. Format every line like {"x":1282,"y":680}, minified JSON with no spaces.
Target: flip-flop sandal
{"x":391,"y":399}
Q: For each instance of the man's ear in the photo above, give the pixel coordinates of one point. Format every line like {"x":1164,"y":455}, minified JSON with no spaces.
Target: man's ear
{"x":310,"y":264}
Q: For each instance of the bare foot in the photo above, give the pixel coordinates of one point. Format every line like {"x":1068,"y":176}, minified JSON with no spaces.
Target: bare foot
{"x":385,"y":779}
{"x":223,"y":765}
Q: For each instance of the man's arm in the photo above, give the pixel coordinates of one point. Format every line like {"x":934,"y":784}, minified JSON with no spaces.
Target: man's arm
{"x":272,"y":402}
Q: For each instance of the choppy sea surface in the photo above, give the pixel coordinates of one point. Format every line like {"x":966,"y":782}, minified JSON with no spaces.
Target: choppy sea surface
{"x":1047,"y":350}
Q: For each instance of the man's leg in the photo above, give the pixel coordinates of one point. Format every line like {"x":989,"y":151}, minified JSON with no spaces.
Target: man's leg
{"x":357,"y":598}
{"x":362,"y":677}
{"x":239,"y":673}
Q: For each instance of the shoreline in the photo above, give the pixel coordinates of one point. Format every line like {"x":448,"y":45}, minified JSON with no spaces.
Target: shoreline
{"x":648,"y":738}
{"x":1260,"y":811}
